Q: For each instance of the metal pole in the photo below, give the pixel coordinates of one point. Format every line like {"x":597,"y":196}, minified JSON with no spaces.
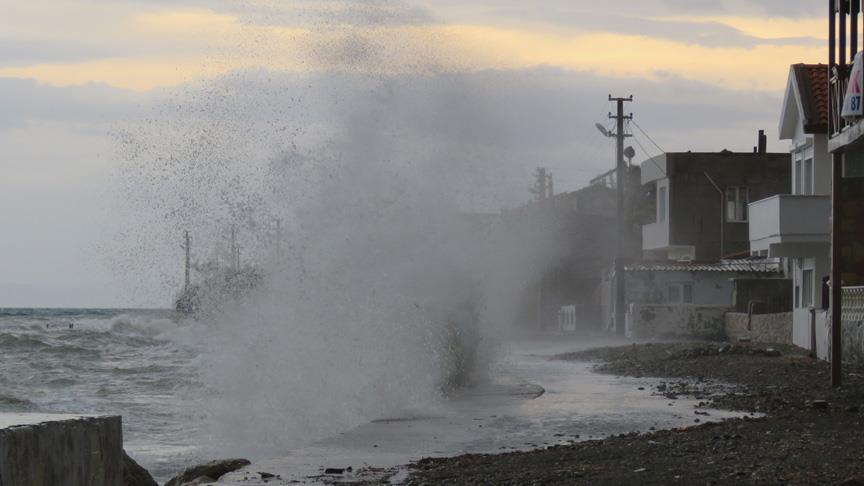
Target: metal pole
{"x":620,"y":178}
{"x":188,"y":247}
{"x":844,"y":12}
{"x":854,"y":9}
{"x":836,"y":270}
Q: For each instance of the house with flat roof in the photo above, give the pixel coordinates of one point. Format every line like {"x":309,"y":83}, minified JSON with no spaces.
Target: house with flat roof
{"x":701,"y":201}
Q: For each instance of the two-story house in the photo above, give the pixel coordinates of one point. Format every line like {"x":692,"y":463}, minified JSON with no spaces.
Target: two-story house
{"x":795,"y":225}
{"x":685,"y":284}
{"x":702,"y":201}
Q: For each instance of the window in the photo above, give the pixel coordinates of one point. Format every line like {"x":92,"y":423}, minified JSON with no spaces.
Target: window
{"x":736,"y":204}
{"x":661,"y":205}
{"x":680,"y":293}
{"x":808,"y":176}
{"x":797,"y":188}
{"x":807,"y":289}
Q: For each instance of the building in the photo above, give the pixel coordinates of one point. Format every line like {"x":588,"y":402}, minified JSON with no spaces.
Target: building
{"x":846,"y":145}
{"x":691,"y":300}
{"x":583,"y":223}
{"x":795,"y":225}
{"x":697,"y":226}
{"x":701,"y":201}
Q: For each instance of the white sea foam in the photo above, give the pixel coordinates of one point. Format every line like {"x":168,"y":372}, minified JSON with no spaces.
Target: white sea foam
{"x":380,"y":292}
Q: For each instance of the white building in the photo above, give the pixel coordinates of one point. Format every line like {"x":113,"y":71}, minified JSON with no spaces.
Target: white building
{"x":796,"y":226}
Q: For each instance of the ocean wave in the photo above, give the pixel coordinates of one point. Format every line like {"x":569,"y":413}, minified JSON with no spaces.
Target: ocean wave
{"x":14,"y":342}
{"x":13,"y":403}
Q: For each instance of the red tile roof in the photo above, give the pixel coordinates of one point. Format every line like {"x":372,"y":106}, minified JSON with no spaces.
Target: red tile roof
{"x":812,"y":82}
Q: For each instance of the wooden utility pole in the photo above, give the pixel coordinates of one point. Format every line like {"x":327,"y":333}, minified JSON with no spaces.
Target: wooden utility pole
{"x":187,"y":245}
{"x":836,"y":270}
{"x":540,"y":189}
{"x":620,"y":182}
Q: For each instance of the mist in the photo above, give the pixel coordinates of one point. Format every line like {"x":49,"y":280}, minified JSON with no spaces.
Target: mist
{"x":368,"y":204}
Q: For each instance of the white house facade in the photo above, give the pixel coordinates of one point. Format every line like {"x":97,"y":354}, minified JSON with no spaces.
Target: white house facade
{"x":796,"y":226}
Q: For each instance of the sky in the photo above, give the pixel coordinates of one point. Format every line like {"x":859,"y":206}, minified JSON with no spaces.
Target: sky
{"x":532,"y":76}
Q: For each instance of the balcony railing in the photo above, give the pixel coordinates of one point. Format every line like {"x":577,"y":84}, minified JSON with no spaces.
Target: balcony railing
{"x":842,"y":17}
{"x":789,"y":225}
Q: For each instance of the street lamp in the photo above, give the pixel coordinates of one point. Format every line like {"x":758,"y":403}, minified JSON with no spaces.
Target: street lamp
{"x":602,"y":129}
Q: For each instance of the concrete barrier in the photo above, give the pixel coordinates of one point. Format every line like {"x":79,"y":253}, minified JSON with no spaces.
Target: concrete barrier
{"x":54,"y":450}
{"x":763,"y":328}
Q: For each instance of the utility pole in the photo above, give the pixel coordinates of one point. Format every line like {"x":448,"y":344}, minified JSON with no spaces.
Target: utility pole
{"x":235,"y":252}
{"x":188,"y":247}
{"x":620,"y":183}
{"x":550,"y":186}
{"x":540,"y":191}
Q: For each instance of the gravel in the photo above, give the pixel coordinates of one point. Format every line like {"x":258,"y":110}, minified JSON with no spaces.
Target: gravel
{"x":801,"y":431}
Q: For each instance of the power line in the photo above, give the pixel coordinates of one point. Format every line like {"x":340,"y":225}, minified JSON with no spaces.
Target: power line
{"x":648,"y":137}
{"x":648,"y":154}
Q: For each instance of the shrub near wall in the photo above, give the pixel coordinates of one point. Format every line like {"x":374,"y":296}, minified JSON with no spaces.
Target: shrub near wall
{"x":764,"y":328}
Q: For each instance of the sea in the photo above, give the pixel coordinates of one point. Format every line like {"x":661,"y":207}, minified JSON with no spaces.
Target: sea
{"x":143,"y":365}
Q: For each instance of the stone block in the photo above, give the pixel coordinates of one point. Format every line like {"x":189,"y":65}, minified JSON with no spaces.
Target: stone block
{"x":52,"y":450}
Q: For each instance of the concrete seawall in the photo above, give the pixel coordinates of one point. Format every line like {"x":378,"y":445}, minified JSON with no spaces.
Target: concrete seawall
{"x":67,"y":450}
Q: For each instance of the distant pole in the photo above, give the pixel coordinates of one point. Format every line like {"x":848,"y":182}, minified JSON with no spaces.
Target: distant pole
{"x":188,"y":247}
{"x":540,"y":190}
{"x":620,"y":181}
{"x":235,"y":254}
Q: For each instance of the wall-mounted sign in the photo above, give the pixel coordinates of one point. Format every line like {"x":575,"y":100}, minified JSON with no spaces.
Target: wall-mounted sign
{"x":852,"y":102}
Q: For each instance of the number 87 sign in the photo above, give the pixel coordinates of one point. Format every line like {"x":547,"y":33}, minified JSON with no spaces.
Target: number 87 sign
{"x":852,"y":102}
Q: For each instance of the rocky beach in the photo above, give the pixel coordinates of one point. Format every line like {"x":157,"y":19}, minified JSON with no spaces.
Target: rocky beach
{"x":798,"y":430}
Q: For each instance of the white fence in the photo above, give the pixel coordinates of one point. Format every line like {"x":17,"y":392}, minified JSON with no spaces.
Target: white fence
{"x":853,"y":324}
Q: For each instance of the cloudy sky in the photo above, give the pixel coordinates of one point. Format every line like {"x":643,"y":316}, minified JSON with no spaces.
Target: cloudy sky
{"x":529,"y":76}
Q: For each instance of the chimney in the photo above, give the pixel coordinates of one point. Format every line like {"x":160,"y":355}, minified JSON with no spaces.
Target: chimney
{"x":763,"y":142}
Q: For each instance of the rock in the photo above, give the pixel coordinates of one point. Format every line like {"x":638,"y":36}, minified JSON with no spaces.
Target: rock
{"x":201,"y":480}
{"x":212,"y":470}
{"x":334,"y":470}
{"x":266,"y":475}
{"x":134,"y":474}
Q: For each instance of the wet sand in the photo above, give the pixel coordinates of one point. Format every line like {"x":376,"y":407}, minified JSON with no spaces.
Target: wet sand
{"x":535,"y":401}
{"x":798,"y":429}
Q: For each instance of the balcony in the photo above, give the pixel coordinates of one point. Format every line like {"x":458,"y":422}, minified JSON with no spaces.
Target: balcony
{"x":843,"y":25}
{"x":655,"y":236}
{"x":790,"y":226}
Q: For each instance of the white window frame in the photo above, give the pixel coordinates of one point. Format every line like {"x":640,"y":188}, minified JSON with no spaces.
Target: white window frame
{"x":682,"y":290}
{"x":808,"y":286}
{"x":662,"y":203}
{"x":797,"y":175}
{"x":808,"y":176}
{"x":737,"y":198}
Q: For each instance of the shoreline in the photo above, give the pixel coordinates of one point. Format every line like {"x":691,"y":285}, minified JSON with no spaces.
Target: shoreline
{"x":800,"y":430}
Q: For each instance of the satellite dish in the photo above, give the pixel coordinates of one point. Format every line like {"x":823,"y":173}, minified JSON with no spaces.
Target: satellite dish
{"x":602,"y":129}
